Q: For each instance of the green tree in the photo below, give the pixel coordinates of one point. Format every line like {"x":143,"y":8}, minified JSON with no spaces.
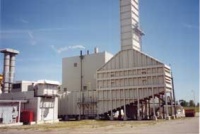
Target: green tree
{"x":191,"y":103}
{"x":183,"y":103}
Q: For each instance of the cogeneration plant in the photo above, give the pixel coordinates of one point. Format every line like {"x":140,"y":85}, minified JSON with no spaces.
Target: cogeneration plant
{"x":129,"y":85}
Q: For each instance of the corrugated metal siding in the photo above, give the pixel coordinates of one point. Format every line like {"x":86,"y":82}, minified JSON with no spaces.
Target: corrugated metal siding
{"x":127,"y":72}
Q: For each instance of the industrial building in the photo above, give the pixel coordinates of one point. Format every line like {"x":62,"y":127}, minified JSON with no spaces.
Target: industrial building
{"x":131,"y":83}
{"x":78,"y":74}
{"x":26,"y":101}
{"x":40,"y":98}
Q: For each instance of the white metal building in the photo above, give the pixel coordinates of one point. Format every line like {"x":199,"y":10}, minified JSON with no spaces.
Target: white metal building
{"x":40,"y":97}
{"x":126,"y":80}
{"x":131,"y":81}
{"x":131,"y":78}
{"x":79,"y":84}
{"x":85,"y":66}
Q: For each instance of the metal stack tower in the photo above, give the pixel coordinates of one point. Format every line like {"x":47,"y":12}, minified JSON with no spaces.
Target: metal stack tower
{"x":130,"y":31}
{"x":9,"y":68}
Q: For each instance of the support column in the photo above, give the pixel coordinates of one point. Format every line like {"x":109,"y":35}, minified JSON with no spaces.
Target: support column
{"x":147,"y":110}
{"x":163,"y":107}
{"x":125,"y":117}
{"x":138,"y":106}
{"x":98,"y":104}
{"x":166,"y":108}
{"x":160,"y":106}
{"x":111,"y":99}
{"x":120,"y":115}
{"x":154,"y":110}
{"x":142,"y":110}
{"x":172,"y":107}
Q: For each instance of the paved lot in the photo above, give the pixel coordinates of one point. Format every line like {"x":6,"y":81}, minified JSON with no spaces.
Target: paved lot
{"x":178,"y":126}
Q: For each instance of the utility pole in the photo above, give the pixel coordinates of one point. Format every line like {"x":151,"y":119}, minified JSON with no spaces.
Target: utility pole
{"x":174,"y":97}
{"x":194,"y":97}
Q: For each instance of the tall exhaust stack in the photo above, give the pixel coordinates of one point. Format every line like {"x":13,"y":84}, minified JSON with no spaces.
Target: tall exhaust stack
{"x":9,"y":68}
{"x":129,"y":21}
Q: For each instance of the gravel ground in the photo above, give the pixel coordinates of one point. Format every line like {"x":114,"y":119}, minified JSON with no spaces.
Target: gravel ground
{"x":178,"y":126}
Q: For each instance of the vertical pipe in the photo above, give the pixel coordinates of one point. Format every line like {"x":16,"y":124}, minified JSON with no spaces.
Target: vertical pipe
{"x":96,"y":95}
{"x":39,"y":110}
{"x":103,"y":101}
{"x":6,"y":73}
{"x":80,"y":105}
{"x":174,"y":97}
{"x":19,"y":111}
{"x":98,"y":102}
{"x":53,"y":110}
{"x":12,"y":70}
{"x":172,"y":108}
{"x":96,"y":50}
{"x":81,"y":82}
{"x":163,"y":107}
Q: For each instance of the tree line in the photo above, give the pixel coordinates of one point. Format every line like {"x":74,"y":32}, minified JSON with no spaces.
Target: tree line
{"x":189,"y":103}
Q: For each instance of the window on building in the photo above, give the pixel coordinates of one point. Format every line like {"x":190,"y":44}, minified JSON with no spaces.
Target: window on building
{"x":84,"y":88}
{"x":16,"y":86}
{"x":75,"y":64}
{"x":65,"y":90}
{"x":143,"y":71}
{"x":144,"y":82}
{"x":112,"y":74}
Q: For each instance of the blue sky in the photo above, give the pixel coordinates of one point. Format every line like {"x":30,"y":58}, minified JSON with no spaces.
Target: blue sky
{"x":45,"y":31}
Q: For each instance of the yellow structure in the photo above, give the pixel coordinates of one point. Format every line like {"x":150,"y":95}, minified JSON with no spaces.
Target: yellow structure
{"x":1,"y":78}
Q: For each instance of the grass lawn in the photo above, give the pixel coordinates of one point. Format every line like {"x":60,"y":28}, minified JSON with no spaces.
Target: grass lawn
{"x":84,"y":124}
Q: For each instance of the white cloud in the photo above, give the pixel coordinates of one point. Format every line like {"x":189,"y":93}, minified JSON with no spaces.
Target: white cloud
{"x":23,"y":21}
{"x":17,"y":31}
{"x":30,"y":34}
{"x":66,"y":48}
{"x":190,"y":26}
{"x":32,"y":38}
